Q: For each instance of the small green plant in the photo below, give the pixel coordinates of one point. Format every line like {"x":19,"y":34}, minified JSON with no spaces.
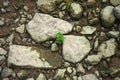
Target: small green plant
{"x":59,"y":38}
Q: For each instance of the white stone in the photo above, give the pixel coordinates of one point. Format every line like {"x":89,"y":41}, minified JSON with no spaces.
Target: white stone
{"x":44,"y":27}
{"x":107,"y":49}
{"x":88,"y":30}
{"x":41,"y":77}
{"x":32,"y":57}
{"x":75,"y":48}
{"x":89,"y":77}
{"x":93,"y":59}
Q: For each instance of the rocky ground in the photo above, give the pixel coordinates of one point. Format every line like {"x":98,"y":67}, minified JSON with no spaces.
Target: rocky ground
{"x":90,"y":50}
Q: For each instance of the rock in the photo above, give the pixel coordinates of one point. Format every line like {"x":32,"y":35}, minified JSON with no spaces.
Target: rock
{"x":80,"y":78}
{"x":54,"y":47}
{"x":75,"y":48}
{"x":3,"y":10}
{"x":94,"y":21}
{"x":80,"y":68}
{"x":22,"y":74}
{"x":47,"y":6}
{"x":107,"y":49}
{"x":116,"y":11}
{"x":44,"y":27}
{"x":2,"y":51}
{"x":89,"y":77}
{"x":117,"y":78}
{"x":69,"y":69}
{"x":2,"y":23}
{"x":23,"y":20}
{"x":2,"y":59}
{"x":21,"y":29}
{"x":6,"y":72}
{"x":93,"y":59}
{"x":107,"y":16}
{"x":10,"y":39}
{"x":2,"y":41}
{"x":114,"y":71}
{"x":6,"y":3}
{"x":32,"y":79}
{"x":88,"y":30}
{"x":113,"y":34}
{"x":59,"y":74}
{"x":5,"y":79}
{"x":115,"y":2}
{"x":33,"y":57}
{"x":76,"y":10}
{"x":26,"y":8}
{"x":41,"y":77}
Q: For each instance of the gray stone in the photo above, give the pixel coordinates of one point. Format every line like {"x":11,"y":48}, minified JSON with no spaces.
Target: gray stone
{"x":33,"y":79}
{"x":75,"y":48}
{"x":22,"y":20}
{"x":2,"y":59}
{"x":116,"y":11}
{"x":5,"y":79}
{"x":93,"y":59}
{"x":54,"y":47}
{"x":113,"y":34}
{"x":76,"y":10}
{"x":2,"y":41}
{"x":107,"y":16}
{"x":44,"y":27}
{"x":59,"y":73}
{"x":6,"y":3}
{"x":10,"y":39}
{"x":80,"y":68}
{"x":117,"y":78}
{"x":47,"y":6}
{"x":3,"y":10}
{"x":80,"y":78}
{"x":33,"y":57}
{"x":6,"y":72}
{"x":41,"y":77}
{"x":90,"y":77}
{"x":2,"y":22}
{"x":88,"y":30}
{"x":2,"y":51}
{"x":26,"y":8}
{"x":21,"y":29}
{"x":115,"y":2}
{"x":107,"y":49}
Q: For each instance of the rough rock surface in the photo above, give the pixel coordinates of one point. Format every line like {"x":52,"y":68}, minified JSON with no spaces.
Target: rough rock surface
{"x":43,"y":27}
{"x":107,"y":16}
{"x":33,"y":57}
{"x":107,"y":49}
{"x":75,"y":48}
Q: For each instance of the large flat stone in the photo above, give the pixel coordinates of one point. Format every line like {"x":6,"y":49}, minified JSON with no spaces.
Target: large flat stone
{"x":44,"y":27}
{"x":33,"y":57}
